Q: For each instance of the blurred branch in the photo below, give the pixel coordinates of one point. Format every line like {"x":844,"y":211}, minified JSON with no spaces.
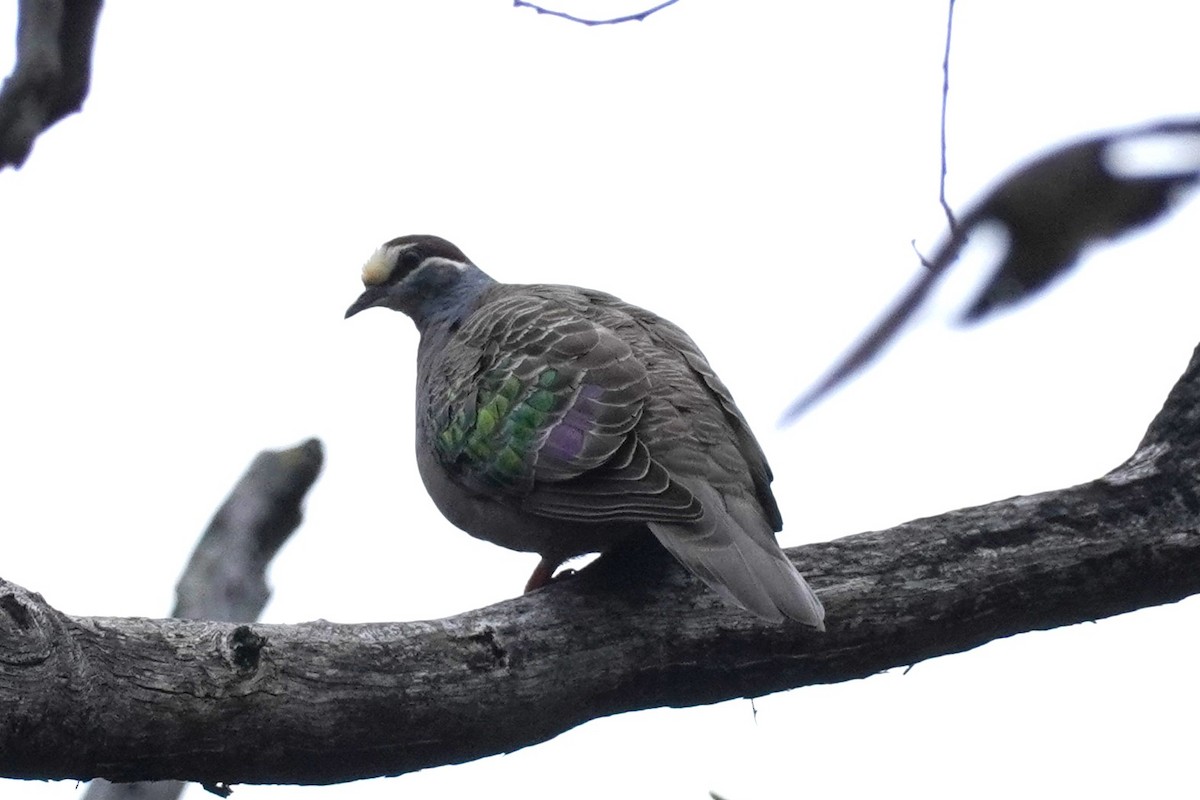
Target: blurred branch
{"x":1052,"y":209}
{"x":52,"y":73}
{"x":226,"y":577}
{"x":638,"y":17}
{"x":320,"y":703}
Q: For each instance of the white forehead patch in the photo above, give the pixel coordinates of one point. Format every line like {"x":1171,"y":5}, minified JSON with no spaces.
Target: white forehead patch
{"x":380,"y":265}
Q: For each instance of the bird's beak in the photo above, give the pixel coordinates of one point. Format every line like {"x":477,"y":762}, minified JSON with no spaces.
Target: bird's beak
{"x":373,"y":296}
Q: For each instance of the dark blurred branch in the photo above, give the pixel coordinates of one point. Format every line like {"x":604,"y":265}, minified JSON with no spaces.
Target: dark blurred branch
{"x":226,"y":578}
{"x":638,"y":17}
{"x":51,"y":76}
{"x":1052,"y":209}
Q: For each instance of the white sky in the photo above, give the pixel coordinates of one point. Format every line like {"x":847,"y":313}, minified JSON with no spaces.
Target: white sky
{"x":177,"y":259}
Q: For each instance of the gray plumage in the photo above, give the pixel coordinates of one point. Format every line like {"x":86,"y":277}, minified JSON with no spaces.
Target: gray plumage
{"x":559,"y":420}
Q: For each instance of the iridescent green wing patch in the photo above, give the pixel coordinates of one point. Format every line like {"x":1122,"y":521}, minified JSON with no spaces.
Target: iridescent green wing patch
{"x":547,"y":417}
{"x":495,"y":439}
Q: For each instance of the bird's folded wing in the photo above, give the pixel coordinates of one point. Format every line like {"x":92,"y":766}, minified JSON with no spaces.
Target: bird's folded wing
{"x":546,"y":419}
{"x":670,"y":335}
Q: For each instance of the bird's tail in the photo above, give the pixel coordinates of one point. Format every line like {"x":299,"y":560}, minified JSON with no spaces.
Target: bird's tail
{"x":733,"y":550}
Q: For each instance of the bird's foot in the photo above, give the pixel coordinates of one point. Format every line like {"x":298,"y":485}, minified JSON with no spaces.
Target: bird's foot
{"x":543,"y":575}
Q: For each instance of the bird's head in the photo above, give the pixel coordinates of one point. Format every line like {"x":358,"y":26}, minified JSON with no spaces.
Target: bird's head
{"x":420,"y":275}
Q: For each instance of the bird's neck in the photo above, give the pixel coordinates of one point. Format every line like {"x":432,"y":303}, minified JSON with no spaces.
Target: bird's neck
{"x":442,"y":312}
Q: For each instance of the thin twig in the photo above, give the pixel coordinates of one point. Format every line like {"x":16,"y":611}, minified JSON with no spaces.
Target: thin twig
{"x":638,"y":17}
{"x":945,"y":94}
{"x":925,"y":262}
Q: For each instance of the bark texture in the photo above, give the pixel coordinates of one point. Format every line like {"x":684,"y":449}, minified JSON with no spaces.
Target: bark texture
{"x":226,"y":577}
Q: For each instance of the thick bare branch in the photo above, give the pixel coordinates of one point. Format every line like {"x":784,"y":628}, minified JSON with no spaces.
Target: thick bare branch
{"x":226,"y":578}
{"x":321,"y":703}
{"x":53,"y":72}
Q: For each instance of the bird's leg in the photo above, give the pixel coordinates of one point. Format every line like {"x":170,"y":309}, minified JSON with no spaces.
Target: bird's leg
{"x":542,"y":575}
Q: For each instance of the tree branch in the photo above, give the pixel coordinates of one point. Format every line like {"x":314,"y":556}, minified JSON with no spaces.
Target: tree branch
{"x":53,"y":72}
{"x":1052,"y":208}
{"x":950,"y":219}
{"x":226,"y":577}
{"x":638,"y":17}
{"x":137,"y":699}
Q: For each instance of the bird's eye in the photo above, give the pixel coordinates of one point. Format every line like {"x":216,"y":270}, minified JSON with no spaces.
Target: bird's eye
{"x":410,"y":260}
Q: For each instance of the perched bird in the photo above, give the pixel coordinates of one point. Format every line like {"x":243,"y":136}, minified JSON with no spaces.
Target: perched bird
{"x":559,"y":420}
